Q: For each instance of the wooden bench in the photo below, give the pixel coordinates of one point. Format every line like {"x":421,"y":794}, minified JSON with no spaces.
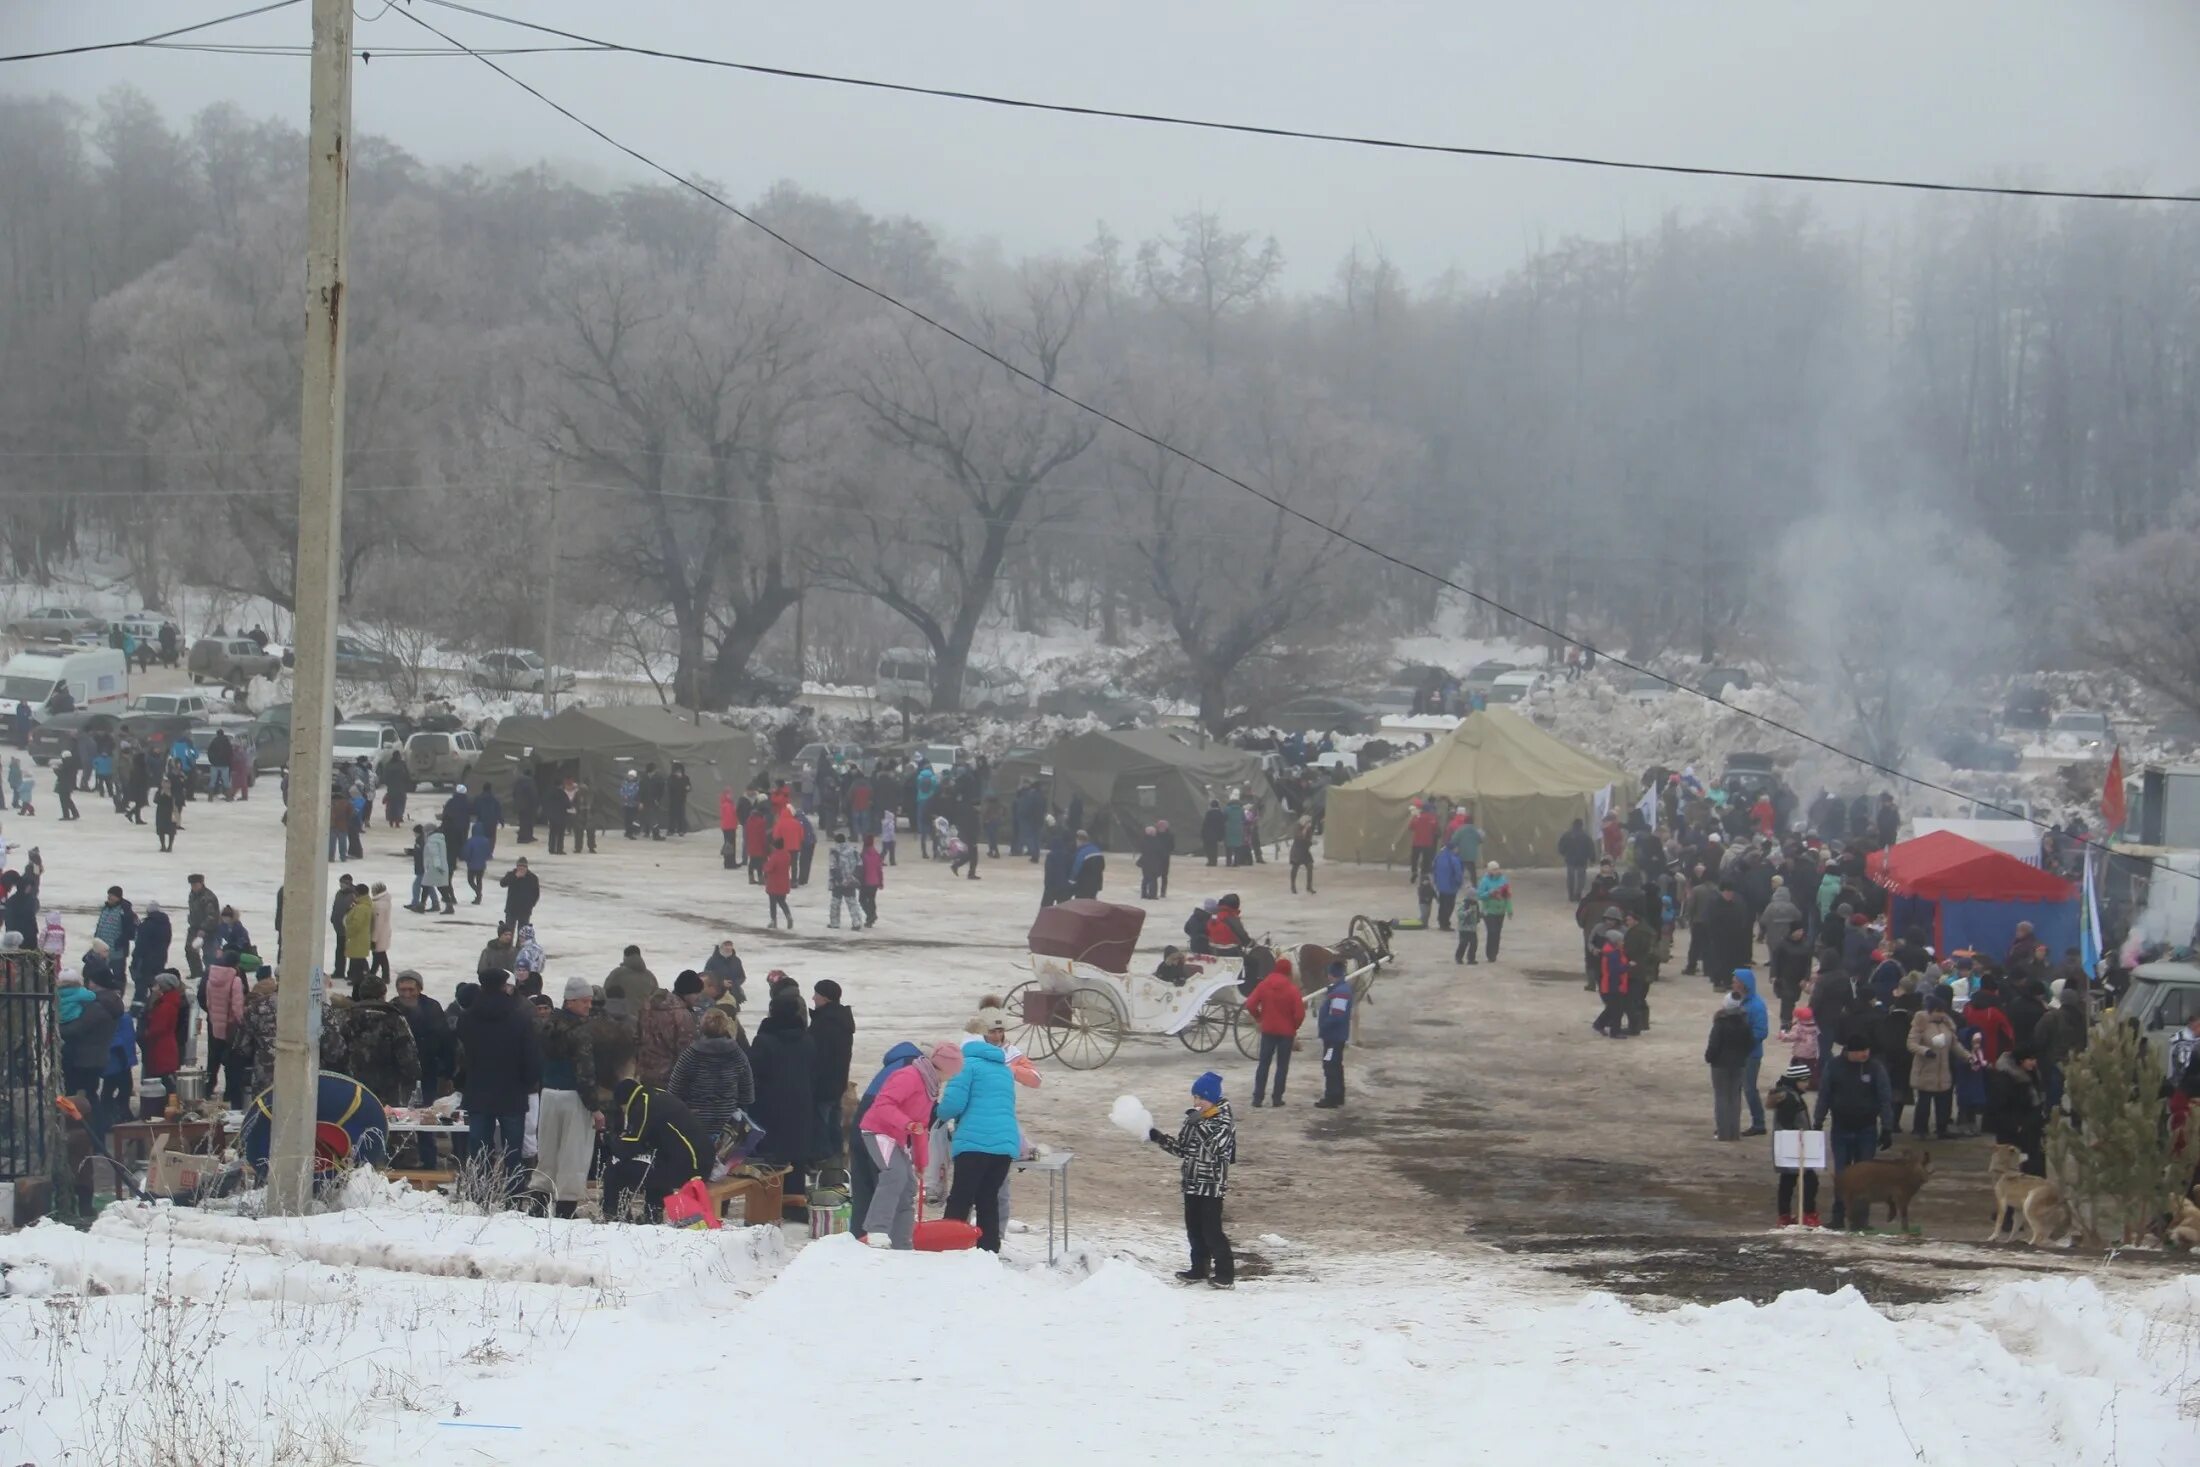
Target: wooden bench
{"x":423,"y":1180}
{"x":763,"y":1198}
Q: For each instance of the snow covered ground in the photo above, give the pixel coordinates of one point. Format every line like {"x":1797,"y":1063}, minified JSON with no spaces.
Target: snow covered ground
{"x":397,"y":1331}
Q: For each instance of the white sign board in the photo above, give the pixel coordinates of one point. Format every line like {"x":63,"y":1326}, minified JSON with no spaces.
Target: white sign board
{"x":1799,"y":1150}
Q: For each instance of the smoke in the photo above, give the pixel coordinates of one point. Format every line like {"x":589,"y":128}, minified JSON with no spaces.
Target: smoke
{"x":1892,"y":615}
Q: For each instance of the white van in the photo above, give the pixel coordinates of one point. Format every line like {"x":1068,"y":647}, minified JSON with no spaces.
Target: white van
{"x":904,"y":676}
{"x":96,"y":678}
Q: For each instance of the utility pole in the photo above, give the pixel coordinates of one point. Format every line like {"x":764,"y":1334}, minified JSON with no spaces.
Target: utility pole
{"x":550,"y":599}
{"x":312,"y":687}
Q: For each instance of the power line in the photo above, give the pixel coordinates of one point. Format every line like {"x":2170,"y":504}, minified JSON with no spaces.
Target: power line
{"x":1209,"y":124}
{"x":1193,"y":459}
{"x":148,"y":40}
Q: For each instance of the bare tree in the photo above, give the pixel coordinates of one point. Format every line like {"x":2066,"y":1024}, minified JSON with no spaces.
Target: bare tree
{"x":1205,"y":274}
{"x":695,"y":387}
{"x":931,"y":545}
{"x":2141,"y":611}
{"x":1238,"y":579}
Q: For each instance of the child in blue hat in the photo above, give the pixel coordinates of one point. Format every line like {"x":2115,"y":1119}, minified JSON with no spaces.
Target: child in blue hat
{"x":1207,"y":1145}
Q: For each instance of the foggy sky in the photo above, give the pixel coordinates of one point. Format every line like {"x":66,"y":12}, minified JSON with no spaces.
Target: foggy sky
{"x":2043,"y":92}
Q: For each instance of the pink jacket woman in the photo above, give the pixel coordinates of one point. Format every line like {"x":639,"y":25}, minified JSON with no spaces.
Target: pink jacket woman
{"x":902,"y":1112}
{"x":224,"y":1001}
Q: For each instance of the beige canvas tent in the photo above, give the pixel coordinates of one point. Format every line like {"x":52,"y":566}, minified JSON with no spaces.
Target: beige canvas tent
{"x":1524,"y":787}
{"x":601,"y":744}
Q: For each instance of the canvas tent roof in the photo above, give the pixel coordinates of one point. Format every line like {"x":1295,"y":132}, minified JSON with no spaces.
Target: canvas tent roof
{"x":1524,"y":786}
{"x":603,"y":743}
{"x":1946,"y":867}
{"x":1129,"y":778}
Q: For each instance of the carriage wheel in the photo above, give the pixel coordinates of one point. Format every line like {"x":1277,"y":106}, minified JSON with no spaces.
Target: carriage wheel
{"x":1355,"y":956}
{"x":1368,"y":933}
{"x":1247,"y":1033}
{"x":1210,"y":1024}
{"x":1091,"y":1031}
{"x":1035,"y":1039}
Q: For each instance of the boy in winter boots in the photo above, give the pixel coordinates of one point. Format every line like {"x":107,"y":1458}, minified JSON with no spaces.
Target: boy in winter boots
{"x":843,"y":872}
{"x":1791,"y":1112}
{"x":1207,"y":1145}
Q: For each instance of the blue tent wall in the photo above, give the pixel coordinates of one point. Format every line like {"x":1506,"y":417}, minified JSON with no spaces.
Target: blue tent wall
{"x":1989,"y":927}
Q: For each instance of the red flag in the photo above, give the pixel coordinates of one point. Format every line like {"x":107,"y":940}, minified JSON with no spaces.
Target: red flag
{"x":2112,"y":793}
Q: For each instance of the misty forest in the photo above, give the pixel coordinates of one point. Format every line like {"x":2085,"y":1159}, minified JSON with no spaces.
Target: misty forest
{"x":1749,"y":433}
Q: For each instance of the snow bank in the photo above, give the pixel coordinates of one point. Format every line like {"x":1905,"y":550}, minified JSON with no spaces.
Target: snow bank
{"x":386,"y":1323}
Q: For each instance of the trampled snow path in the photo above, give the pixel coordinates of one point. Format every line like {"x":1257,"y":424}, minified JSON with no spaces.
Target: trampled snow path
{"x":318,"y":1332}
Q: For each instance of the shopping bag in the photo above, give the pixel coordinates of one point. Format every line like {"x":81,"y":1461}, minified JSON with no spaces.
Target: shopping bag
{"x":690,"y":1206}
{"x":941,"y":1235}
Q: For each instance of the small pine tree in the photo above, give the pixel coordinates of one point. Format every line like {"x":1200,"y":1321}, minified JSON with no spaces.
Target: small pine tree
{"x":2119,"y":1167}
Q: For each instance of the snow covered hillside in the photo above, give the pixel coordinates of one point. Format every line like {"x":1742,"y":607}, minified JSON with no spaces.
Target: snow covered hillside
{"x":402,"y":1331}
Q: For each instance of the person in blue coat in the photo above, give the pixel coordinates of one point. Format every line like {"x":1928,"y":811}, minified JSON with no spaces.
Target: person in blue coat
{"x":1056,"y":874}
{"x":1753,"y":1009}
{"x":981,"y":1101}
{"x":928,"y":785}
{"x":1333,"y":1027}
{"x":1448,"y":874}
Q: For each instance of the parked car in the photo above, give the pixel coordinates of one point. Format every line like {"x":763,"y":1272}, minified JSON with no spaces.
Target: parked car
{"x":146,"y":626}
{"x":194,"y":705}
{"x":1110,"y":705}
{"x":54,"y":737}
{"x":1395,"y":702}
{"x":57,"y":624}
{"x":760,"y":687}
{"x":843,"y":756}
{"x":375,"y":740}
{"x":2162,"y":999}
{"x":903,"y":676}
{"x":1516,"y":687}
{"x":1645,"y":687}
{"x":2082,"y":729}
{"x":1322,"y":713}
{"x":2028,"y":708}
{"x":1750,"y":775}
{"x":232,"y":660}
{"x":1483,"y":674}
{"x":1966,"y":750}
{"x":516,"y":670}
{"x":994,"y":690}
{"x":1717,"y":682}
{"x":363,"y":663}
{"x":443,"y":758}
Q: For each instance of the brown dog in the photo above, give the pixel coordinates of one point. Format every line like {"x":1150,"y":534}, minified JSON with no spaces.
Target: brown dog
{"x":1892,"y":1180}
{"x":2035,"y":1201}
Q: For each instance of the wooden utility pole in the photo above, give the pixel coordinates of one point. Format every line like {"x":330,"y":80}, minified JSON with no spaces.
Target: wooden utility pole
{"x":312,"y":688}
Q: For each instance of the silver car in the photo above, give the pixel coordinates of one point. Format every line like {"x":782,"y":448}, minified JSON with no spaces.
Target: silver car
{"x":57,"y":624}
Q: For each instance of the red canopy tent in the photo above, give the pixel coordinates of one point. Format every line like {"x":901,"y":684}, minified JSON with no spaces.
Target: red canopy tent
{"x":1978,"y":895}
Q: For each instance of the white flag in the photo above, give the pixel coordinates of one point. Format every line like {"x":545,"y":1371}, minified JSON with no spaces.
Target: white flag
{"x":1600,"y":805}
{"x":1648,"y":809}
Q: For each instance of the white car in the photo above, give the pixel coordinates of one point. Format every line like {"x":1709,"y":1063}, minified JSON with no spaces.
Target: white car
{"x":2083,"y":729}
{"x":188,"y":705}
{"x":1515,"y":687}
{"x":994,"y":690}
{"x":375,"y":740}
{"x":514,"y":670}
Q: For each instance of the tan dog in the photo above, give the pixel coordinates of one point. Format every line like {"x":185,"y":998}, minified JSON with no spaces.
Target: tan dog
{"x":2035,"y":1201}
{"x":1891,"y":1180}
{"x":2184,"y":1223}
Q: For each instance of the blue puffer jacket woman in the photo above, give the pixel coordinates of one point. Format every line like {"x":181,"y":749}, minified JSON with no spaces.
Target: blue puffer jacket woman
{"x":981,"y":1101}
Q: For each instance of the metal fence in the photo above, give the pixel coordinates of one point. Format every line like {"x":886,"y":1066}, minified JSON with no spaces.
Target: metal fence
{"x":32,"y":1145}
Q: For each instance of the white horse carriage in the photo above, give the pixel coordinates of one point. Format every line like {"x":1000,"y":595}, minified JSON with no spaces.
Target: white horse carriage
{"x":1082,"y":997}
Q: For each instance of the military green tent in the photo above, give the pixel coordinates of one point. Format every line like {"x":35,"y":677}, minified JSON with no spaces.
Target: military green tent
{"x":1129,"y":778}
{"x":1524,"y":786}
{"x":601,"y":744}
